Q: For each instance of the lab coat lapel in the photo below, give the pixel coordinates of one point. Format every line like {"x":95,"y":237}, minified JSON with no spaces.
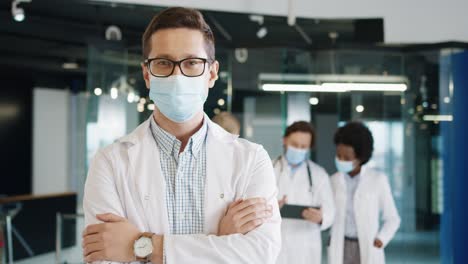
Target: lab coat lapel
{"x":145,"y":169}
{"x":282,"y":170}
{"x":338,"y":230}
{"x":362,"y":216}
{"x":219,"y":169}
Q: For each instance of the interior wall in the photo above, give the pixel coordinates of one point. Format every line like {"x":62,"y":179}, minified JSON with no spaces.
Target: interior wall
{"x":51,"y":132}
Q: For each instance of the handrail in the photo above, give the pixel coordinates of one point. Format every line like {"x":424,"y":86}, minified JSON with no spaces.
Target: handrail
{"x":58,"y":233}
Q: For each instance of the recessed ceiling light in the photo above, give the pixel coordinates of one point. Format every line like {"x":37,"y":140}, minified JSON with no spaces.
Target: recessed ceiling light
{"x":97,"y":91}
{"x":114,"y":93}
{"x":18,"y":12}
{"x":262,"y":32}
{"x":360,"y":108}
{"x":70,"y":65}
{"x":314,"y":101}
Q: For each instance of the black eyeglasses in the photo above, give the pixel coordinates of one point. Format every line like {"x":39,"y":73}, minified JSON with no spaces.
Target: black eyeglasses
{"x":190,"y":67}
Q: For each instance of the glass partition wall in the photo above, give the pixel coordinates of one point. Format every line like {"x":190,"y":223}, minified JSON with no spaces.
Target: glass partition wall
{"x":407,"y":138}
{"x":407,"y":141}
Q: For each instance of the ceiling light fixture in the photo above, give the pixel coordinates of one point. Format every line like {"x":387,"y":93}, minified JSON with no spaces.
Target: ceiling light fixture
{"x":314,"y":101}
{"x":438,"y":118}
{"x":140,"y":108}
{"x":114,"y":93}
{"x":257,"y":18}
{"x":70,"y":65}
{"x":97,"y":91}
{"x":262,"y":32}
{"x":131,"y":97}
{"x":360,"y":108}
{"x":380,"y":87}
{"x":278,"y":87}
{"x":18,"y":12}
{"x":291,"y":15}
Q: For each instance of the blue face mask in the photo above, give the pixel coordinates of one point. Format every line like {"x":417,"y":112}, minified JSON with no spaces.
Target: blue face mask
{"x":178,"y":97}
{"x":344,"y":166}
{"x":294,"y":156}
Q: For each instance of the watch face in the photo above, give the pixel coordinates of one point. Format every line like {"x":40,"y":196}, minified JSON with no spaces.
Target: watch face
{"x":143,"y":247}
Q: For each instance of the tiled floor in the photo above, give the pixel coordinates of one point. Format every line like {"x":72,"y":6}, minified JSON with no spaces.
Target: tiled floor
{"x":414,"y":248}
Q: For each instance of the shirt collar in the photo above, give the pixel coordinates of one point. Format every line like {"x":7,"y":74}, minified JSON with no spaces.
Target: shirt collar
{"x":171,"y":145}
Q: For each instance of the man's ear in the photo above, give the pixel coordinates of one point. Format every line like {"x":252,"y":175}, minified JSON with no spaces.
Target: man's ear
{"x":146,"y":75}
{"x":214,"y":68}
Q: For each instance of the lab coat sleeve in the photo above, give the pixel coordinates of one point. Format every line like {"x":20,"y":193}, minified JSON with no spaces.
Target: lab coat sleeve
{"x":391,"y":218}
{"x":100,"y":194}
{"x":327,"y":202}
{"x":261,"y":245}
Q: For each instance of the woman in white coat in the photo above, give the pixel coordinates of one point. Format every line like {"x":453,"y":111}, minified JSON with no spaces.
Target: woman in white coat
{"x":361,"y":196}
{"x":302,"y":182}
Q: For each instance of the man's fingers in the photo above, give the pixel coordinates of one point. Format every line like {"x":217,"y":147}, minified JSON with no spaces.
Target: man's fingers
{"x":312,"y":211}
{"x":91,"y":248}
{"x":252,"y":225}
{"x":266,"y":214}
{"x":256,"y":208}
{"x":248,"y":202}
{"x":110,"y":218}
{"x":236,"y":202}
{"x":91,"y":239}
{"x":95,"y":256}
{"x":93,"y":229}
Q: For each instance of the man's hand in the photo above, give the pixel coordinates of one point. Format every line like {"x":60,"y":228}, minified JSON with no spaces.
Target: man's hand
{"x":112,"y":240}
{"x":243,"y":216}
{"x":378,"y":243}
{"x":313,"y":215}
{"x":283,"y":201}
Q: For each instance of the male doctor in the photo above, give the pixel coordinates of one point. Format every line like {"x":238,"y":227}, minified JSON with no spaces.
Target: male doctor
{"x":179,"y":189}
{"x":302,"y":182}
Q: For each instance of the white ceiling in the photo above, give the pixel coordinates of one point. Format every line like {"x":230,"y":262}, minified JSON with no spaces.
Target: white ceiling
{"x":406,"y":22}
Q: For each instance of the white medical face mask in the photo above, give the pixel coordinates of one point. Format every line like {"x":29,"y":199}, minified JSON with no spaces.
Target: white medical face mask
{"x":295,"y":156}
{"x":344,"y":166}
{"x":178,"y":97}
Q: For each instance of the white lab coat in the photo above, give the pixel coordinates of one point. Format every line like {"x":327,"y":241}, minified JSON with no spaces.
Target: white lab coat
{"x":125,"y":179}
{"x":302,"y":241}
{"x":372,"y":198}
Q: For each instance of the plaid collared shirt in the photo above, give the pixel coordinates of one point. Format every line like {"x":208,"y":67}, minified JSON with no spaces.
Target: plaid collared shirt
{"x":185,"y":175}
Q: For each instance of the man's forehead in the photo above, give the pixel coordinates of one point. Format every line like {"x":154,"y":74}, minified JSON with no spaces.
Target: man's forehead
{"x":177,"y":44}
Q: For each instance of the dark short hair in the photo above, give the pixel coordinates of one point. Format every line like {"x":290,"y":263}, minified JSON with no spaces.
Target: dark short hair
{"x":179,"y":17}
{"x":301,"y":126}
{"x":359,"y":137}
